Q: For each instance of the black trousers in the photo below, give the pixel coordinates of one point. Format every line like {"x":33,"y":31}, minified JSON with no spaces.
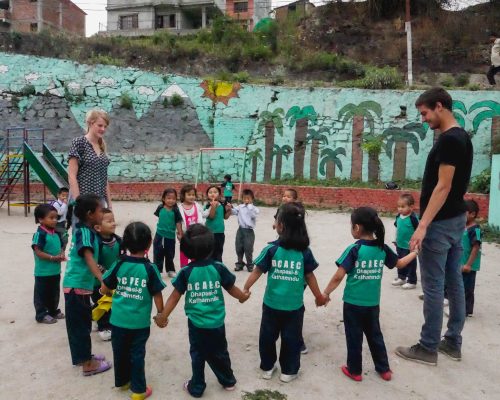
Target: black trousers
{"x":164,"y":253}
{"x":103,"y":322}
{"x":78,"y":326}
{"x":63,"y":233}
{"x":129,"y":353}
{"x":410,"y":271}
{"x":245,"y":239}
{"x":288,"y":325}
{"x":469,"y":286}
{"x":208,"y":345}
{"x":359,"y":320}
{"x":219,"y":239}
{"x":491,"y":74}
{"x":46,"y":296}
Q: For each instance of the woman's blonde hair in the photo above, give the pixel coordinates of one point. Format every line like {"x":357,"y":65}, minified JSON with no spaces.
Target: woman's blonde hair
{"x":91,"y":117}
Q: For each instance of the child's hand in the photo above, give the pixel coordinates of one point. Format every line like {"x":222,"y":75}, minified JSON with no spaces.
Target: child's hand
{"x":179,"y":236}
{"x":62,"y":257}
{"x":466,"y":268}
{"x":323,"y":300}
{"x":214,"y":203}
{"x":246,"y":296}
{"x":228,"y":207}
{"x":160,"y":321}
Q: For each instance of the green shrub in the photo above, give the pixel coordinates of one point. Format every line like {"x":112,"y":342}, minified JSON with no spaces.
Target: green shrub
{"x":257,"y":52}
{"x":319,"y":61}
{"x":165,"y":102}
{"x":242,"y":76}
{"x":233,"y":59}
{"x":126,"y":101}
{"x":176,"y":100}
{"x":28,"y":90}
{"x":481,"y":182}
{"x":448,"y":81}
{"x":490,"y":233}
{"x":378,"y":78}
{"x":462,"y":79}
{"x":105,"y":59}
{"x":473,"y":87}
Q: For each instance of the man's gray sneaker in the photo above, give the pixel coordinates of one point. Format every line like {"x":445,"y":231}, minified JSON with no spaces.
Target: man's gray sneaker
{"x":448,"y":349}
{"x":418,"y":354}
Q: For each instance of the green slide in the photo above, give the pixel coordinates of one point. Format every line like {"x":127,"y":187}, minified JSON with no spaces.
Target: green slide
{"x":50,"y":171}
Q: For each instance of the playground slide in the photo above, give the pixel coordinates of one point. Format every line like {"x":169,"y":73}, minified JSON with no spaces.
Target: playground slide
{"x":50,"y":171}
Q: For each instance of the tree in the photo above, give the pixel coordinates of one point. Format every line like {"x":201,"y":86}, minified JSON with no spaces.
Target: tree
{"x":315,"y":137}
{"x":330,"y":159}
{"x":361,"y":113}
{"x":300,"y":117}
{"x":269,"y":122}
{"x":253,"y":157}
{"x":490,"y":109}
{"x":279,"y":152}
{"x":399,"y":138}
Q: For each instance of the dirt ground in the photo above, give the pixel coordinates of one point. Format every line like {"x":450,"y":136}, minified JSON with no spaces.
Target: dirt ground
{"x":36,"y":362}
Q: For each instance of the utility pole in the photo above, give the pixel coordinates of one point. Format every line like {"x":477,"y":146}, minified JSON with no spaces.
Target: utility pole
{"x":408,"y":44}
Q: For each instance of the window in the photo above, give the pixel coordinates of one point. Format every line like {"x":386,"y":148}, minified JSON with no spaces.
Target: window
{"x":34,"y":27}
{"x":159,"y":22}
{"x":129,"y":21}
{"x":240,"y":6}
{"x":171,"y":21}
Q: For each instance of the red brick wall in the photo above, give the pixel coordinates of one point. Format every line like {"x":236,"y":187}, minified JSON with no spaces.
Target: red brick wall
{"x":73,"y":18}
{"x":23,"y":14}
{"x":315,"y":196}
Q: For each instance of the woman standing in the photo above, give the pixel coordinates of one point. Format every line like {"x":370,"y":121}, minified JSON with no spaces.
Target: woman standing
{"x":88,"y":161}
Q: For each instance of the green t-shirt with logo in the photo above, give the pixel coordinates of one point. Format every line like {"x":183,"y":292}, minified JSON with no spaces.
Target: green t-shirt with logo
{"x":50,"y":243}
{"x":78,"y":275}
{"x":364,"y":262}
{"x":109,"y":252}
{"x":135,"y":281}
{"x":286,"y":270}
{"x":216,"y":224}
{"x":167,"y":221}
{"x":201,"y":282}
{"x":228,"y":188}
{"x":405,"y":227}
{"x":471,"y":237}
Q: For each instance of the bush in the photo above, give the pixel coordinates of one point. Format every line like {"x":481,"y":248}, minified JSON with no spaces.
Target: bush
{"x":473,"y":87}
{"x":126,"y":101}
{"x":28,"y":90}
{"x":378,"y":78}
{"x":165,"y":102}
{"x":319,"y":60}
{"x":257,"y":52}
{"x":176,"y":100}
{"x":448,"y":81}
{"x":106,"y":60}
{"x":481,"y":182}
{"x":462,"y":79}
{"x":242,"y":77}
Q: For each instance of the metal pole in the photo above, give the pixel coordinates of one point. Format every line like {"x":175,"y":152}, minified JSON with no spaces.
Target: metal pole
{"x":8,"y":173}
{"x":242,"y":174}
{"x":409,"y":44}
{"x":199,"y":169}
{"x":25,"y":175}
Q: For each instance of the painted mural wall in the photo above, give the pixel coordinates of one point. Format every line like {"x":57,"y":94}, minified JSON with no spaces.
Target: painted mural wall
{"x":316,"y":133}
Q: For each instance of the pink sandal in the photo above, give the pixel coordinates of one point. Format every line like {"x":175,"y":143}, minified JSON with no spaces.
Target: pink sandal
{"x":103,"y":367}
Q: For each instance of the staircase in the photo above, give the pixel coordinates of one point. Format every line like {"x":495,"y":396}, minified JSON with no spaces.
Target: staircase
{"x":11,"y":168}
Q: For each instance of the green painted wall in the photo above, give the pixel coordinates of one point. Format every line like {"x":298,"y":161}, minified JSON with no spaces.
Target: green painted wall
{"x":494,"y":210}
{"x":308,"y":131}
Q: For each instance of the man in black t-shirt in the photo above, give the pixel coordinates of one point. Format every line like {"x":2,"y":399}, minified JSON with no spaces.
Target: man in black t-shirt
{"x":438,"y":236}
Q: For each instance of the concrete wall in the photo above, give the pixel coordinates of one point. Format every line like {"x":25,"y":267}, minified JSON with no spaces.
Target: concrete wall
{"x":287,"y":131}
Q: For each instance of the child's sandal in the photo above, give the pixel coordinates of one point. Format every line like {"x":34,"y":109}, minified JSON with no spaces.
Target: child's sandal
{"x":103,"y":367}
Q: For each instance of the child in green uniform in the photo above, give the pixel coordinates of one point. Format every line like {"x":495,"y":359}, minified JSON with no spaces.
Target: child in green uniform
{"x":47,"y":249}
{"x":228,"y":187}
{"x":290,"y":264}
{"x":78,"y":284}
{"x":109,"y":252}
{"x":471,"y":257}
{"x":202,"y":281}
{"x":137,"y":283}
{"x":406,"y":223}
{"x":215,"y":213}
{"x":169,"y":224}
{"x":363,"y":263}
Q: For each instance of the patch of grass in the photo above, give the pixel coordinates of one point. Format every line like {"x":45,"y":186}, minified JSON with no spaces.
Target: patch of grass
{"x":106,"y":60}
{"x":462,"y":79}
{"x":338,"y":182}
{"x":176,"y":100}
{"x":377,"y":78}
{"x":126,"y":101}
{"x":264,"y":394}
{"x":448,"y":81}
{"x":490,"y":233}
{"x":473,"y":87}
{"x":28,"y":90}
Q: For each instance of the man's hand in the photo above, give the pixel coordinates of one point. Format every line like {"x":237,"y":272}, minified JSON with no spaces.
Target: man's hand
{"x":417,"y":238}
{"x":466,"y":268}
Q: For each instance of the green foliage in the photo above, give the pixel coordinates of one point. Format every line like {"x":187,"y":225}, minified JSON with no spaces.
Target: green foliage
{"x":473,"y":87}
{"x":176,"y":100}
{"x":164,"y":39}
{"x":28,"y":90}
{"x":448,"y":81}
{"x":372,"y":144}
{"x":105,"y":59}
{"x":126,"y":101}
{"x":462,"y":79}
{"x":71,"y":98}
{"x":289,"y":180}
{"x":382,"y":78}
{"x":490,"y":233}
{"x":16,"y":40}
{"x":264,"y":394}
{"x":165,"y":102}
{"x":242,"y":77}
{"x":15,"y":101}
{"x":481,"y":182}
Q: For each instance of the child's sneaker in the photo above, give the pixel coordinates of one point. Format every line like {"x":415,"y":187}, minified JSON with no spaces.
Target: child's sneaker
{"x":105,"y":335}
{"x":250,"y":267}
{"x":142,"y":396}
{"x":171,"y":274}
{"x":386,"y":376}
{"x":48,"y":320}
{"x":345,"y":370}
{"x":288,"y":378}
{"x":268,"y":374}
{"x":408,"y":286}
{"x":398,"y":282}
{"x":230,"y":388}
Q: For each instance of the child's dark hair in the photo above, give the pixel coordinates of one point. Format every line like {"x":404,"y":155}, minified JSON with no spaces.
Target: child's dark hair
{"x":62,"y":190}
{"x":247,"y":192}
{"x":85,"y":204}
{"x":137,"y":237}
{"x":408,"y":198}
{"x":227,"y":177}
{"x":213,"y":186}
{"x":42,"y":210}
{"x":185,"y":189}
{"x":472,"y":207}
{"x":168,"y":191}
{"x":294,"y":193}
{"x":107,"y":211}
{"x":294,"y":231}
{"x":370,"y":222}
{"x":197,"y":243}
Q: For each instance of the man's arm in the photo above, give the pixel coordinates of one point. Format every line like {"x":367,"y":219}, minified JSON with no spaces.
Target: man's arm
{"x":438,"y":198}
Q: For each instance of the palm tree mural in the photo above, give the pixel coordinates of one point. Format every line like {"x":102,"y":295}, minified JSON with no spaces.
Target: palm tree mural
{"x":300,"y":117}
{"x":399,"y":138}
{"x":253,"y":157}
{"x":279,"y":153}
{"x":330,"y":159}
{"x":268,"y":124}
{"x":459,"y":112}
{"x":315,"y":136}
{"x":359,"y":114}
{"x":489,"y":109}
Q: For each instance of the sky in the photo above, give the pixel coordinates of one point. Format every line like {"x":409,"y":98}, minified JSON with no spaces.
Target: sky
{"x":96,"y":13}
